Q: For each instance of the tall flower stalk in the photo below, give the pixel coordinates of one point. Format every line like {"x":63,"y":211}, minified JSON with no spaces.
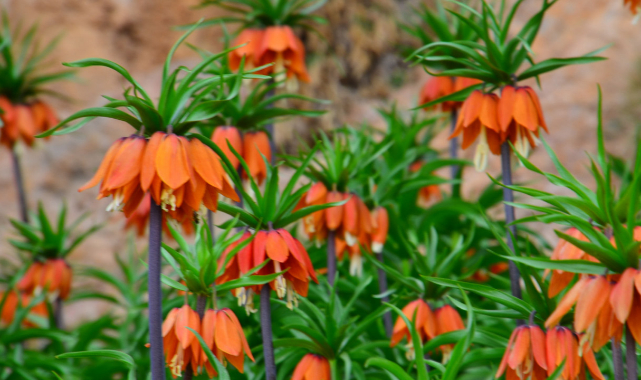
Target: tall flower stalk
{"x":155,"y":293}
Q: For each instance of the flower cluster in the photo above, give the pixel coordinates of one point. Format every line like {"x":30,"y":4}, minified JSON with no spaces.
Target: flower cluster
{"x":287,"y":255}
{"x":179,"y":173}
{"x":221,"y":332}
{"x":275,"y":44}
{"x":354,"y":225}
{"x":438,"y":87}
{"x":24,"y":121}
{"x":252,"y":146}
{"x":534,"y":354}
{"x":428,"y":324}
{"x":52,"y":276}
{"x":515,"y":116}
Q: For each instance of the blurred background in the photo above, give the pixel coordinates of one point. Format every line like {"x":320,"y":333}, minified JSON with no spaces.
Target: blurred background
{"x":358,"y":65}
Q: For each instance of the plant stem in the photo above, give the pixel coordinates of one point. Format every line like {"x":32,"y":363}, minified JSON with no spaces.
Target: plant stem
{"x":57,"y":316}
{"x":508,"y":196}
{"x":210,"y":224}
{"x":266,"y":330}
{"x":382,"y":286}
{"x":617,"y":359}
{"x":333,"y":369}
{"x":331,"y":257}
{"x":22,"y":196}
{"x":631,"y":355}
{"x":155,"y":294}
{"x":454,"y":151}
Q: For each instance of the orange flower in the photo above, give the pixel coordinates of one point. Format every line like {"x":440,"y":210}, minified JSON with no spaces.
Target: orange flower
{"x":180,"y":174}
{"x":437,"y":87}
{"x":564,"y":250}
{"x":314,"y":223}
{"x":380,"y":227}
{"x":592,"y":314}
{"x":625,"y":299}
{"x":424,"y":323}
{"x":520,"y":117}
{"x":562,"y":345}
{"x":312,"y":367}
{"x":52,"y":275}
{"x":224,"y":336}
{"x":225,"y":134}
{"x":24,"y":121}
{"x":478,"y":117}
{"x":180,"y":345}
{"x":447,"y":320}
{"x":634,"y":5}
{"x":525,"y":355}
{"x":8,"y":311}
{"x":240,"y":264}
{"x":251,"y":37}
{"x":427,"y":195}
{"x":139,"y":220}
{"x":286,"y":253}
{"x":255,"y":146}
{"x":281,"y":46}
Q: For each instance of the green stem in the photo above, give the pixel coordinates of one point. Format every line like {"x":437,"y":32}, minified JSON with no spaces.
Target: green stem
{"x":334,"y":369}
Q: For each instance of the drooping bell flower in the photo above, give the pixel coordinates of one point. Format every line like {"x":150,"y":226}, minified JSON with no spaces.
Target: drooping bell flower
{"x":139,"y":220}
{"x":350,"y":219}
{"x":225,"y":134}
{"x":24,"y":121}
{"x":8,"y":311}
{"x":478,"y":119}
{"x":283,"y":48}
{"x":180,"y":174}
{"x":253,"y":38}
{"x":181,"y":347}
{"x":520,"y":117}
{"x":525,"y":355}
{"x":225,"y":337}
{"x":427,"y":195}
{"x":380,"y":227}
{"x":240,"y":264}
{"x":447,"y":320}
{"x":565,"y":250}
{"x":438,"y":87}
{"x":592,"y":316}
{"x":255,"y":146}
{"x":625,"y":300}
{"x":561,"y":345}
{"x":52,"y":275}
{"x":424,"y":323}
{"x":286,"y":253}
{"x":314,"y":223}
{"x":312,"y":367}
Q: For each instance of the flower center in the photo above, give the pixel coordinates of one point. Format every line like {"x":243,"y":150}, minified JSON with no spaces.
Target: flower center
{"x":167,"y":198}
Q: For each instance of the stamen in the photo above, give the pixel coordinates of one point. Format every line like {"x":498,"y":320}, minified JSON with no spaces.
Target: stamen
{"x":292,"y":297}
{"x":167,"y":198}
{"x":356,"y":265}
{"x":482,"y":151}
{"x":281,"y":287}
{"x":118,"y":202}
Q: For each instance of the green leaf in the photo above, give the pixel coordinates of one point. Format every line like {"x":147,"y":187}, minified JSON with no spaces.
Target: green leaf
{"x":573,"y":266}
{"x":390,"y":367}
{"x":487,"y":292}
{"x":107,"y":112}
{"x":222,"y":371}
{"x":112,"y":354}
